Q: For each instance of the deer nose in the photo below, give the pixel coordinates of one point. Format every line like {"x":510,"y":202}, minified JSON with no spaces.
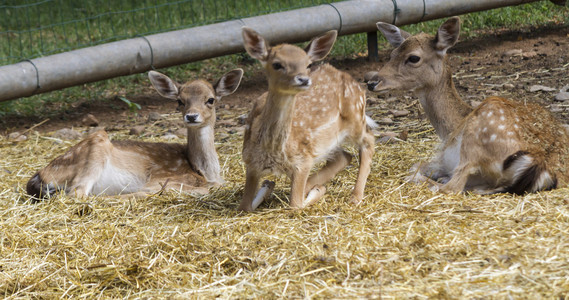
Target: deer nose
{"x":371,"y":85}
{"x":372,"y":79}
{"x":191,"y":118}
{"x":303,"y":80}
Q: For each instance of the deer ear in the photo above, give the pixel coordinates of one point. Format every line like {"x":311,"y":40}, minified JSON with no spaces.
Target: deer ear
{"x":165,"y":86}
{"x":228,"y":83}
{"x":394,"y":35}
{"x":320,"y":46}
{"x":447,"y":35}
{"x":255,"y":44}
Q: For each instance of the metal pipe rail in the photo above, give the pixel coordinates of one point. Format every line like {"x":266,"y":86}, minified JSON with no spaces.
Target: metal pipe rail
{"x":141,"y":54}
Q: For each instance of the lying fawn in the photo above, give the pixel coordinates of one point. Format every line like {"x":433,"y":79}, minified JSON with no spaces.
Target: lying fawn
{"x":305,"y":117}
{"x":500,"y":146}
{"x":97,"y":165}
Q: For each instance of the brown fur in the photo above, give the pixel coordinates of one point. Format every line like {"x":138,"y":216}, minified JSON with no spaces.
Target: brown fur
{"x":502,"y":145}
{"x":98,"y":165}
{"x":290,"y":129}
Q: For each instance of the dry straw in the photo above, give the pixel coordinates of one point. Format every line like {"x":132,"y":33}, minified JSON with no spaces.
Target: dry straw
{"x":403,"y":241}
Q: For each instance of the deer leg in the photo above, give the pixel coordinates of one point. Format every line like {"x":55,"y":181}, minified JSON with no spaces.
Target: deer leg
{"x":337,"y":163}
{"x":251,"y":184}
{"x":366,"y":155}
{"x":459,"y":179}
{"x":267,"y":188}
{"x":298,"y":185}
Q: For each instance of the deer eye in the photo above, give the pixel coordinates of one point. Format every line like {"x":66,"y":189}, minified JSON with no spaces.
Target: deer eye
{"x":180,"y":103}
{"x":413,"y":59}
{"x":210,"y":101}
{"x":277,"y":66}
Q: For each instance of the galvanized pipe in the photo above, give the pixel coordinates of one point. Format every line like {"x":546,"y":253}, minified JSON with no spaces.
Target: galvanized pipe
{"x":178,"y":47}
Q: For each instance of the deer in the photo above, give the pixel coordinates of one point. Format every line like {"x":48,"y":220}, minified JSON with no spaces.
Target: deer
{"x":501,"y":146}
{"x":306,"y":117}
{"x":99,"y":166}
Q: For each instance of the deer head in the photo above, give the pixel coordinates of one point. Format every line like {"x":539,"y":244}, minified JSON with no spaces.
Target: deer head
{"x":196,"y":99}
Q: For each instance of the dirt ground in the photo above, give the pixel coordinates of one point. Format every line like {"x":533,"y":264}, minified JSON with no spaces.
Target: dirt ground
{"x":505,"y":63}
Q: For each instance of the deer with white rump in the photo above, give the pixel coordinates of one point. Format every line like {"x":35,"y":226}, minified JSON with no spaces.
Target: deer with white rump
{"x":99,"y":166}
{"x":305,"y":117}
{"x":500,"y":146}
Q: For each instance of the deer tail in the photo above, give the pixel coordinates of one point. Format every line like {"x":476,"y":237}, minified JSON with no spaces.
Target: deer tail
{"x":528,"y":173}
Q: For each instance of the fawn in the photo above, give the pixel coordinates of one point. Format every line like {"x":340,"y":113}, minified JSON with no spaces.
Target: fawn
{"x":305,"y":117}
{"x":500,"y":146}
{"x":97,"y":165}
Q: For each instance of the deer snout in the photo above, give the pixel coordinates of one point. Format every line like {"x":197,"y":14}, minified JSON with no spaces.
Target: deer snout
{"x":302,"y":81}
{"x":372,"y":79}
{"x":371,"y":85}
{"x":192,"y":118}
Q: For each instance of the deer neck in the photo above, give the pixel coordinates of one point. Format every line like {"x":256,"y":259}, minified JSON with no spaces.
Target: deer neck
{"x":277,"y":118}
{"x":201,"y":153}
{"x":443,"y":106}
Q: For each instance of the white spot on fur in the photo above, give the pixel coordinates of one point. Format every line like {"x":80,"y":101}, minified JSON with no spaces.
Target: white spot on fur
{"x":502,"y":118}
{"x":516,"y":126}
{"x":501,"y":127}
{"x":493,"y":137}
{"x":484,"y":129}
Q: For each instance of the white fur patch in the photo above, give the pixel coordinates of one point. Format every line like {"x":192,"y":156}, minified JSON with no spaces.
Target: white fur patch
{"x":451,"y":155}
{"x":114,"y":181}
{"x":519,"y":166}
{"x":544,"y":180}
{"x":371,"y":123}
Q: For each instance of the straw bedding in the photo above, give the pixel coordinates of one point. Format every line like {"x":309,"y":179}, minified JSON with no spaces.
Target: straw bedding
{"x":404,"y":241}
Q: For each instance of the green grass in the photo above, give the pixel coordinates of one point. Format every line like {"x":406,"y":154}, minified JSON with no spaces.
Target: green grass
{"x":30,"y":29}
{"x":126,"y":20}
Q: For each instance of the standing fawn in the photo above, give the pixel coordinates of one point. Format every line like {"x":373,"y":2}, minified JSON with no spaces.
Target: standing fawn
{"x":500,"y":146}
{"x":305,"y":117}
{"x":99,"y":166}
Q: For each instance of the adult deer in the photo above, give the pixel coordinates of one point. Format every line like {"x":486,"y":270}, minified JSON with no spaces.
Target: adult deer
{"x":98,"y":165}
{"x":305,"y":117}
{"x":500,"y":146}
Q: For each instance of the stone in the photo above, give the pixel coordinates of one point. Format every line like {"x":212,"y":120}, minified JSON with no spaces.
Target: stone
{"x":137,"y":130}
{"x":226,"y":123}
{"x":169,"y":136}
{"x":513,"y":52}
{"x":17,"y":137}
{"x":537,"y":88}
{"x":529,"y":54}
{"x":399,"y":113}
{"x":154,"y":116}
{"x":90,"y":120}
{"x":385,"y":121}
{"x":563,"y":96}
{"x":67,"y":134}
{"x":388,"y":140}
{"x":555,"y":108}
